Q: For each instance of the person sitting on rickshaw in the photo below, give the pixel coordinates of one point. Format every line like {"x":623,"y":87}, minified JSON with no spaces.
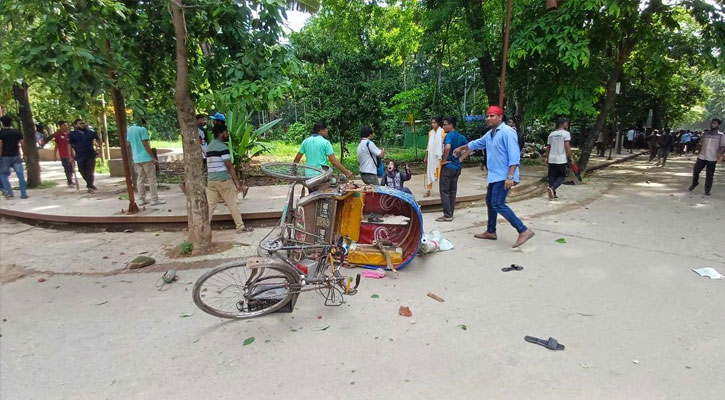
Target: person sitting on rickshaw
{"x":393,"y":178}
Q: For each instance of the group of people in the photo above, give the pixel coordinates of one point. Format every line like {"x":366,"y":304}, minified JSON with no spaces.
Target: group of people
{"x":75,"y":146}
{"x":446,"y":151}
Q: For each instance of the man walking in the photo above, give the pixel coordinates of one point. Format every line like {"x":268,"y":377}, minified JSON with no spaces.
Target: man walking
{"x":557,"y":156}
{"x":222,"y":181}
{"x":666,"y":142}
{"x":10,"y":141}
{"x":144,"y":163}
{"x":369,"y":156}
{"x":685,"y":142}
{"x":62,"y":149}
{"x":451,"y":167}
{"x":318,"y":150}
{"x":85,"y":142}
{"x":711,"y":150}
{"x":503,"y":173}
{"x":630,"y":138}
{"x":652,"y":140}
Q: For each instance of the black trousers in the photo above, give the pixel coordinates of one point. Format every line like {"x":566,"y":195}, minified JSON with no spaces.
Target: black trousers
{"x":68,"y":168}
{"x":709,"y":173}
{"x":652,"y":151}
{"x":557,"y":175}
{"x":87,"y":168}
{"x":448,"y":186}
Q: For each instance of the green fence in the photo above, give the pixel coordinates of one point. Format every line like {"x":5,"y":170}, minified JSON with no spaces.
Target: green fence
{"x":410,"y":138}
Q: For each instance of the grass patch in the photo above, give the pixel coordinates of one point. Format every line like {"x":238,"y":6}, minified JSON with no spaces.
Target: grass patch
{"x":102,"y":167}
{"x":43,"y":185}
{"x":166,"y":144}
{"x":187,"y":247}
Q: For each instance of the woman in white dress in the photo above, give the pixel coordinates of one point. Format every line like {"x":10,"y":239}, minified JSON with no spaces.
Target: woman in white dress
{"x":433,"y":154}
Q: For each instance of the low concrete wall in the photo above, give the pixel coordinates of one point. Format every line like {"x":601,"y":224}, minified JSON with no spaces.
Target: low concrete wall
{"x":116,"y":163}
{"x":46,"y":154}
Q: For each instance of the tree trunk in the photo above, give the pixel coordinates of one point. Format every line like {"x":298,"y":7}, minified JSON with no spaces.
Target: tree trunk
{"x":610,"y":97}
{"x":30,"y":149}
{"x":488,"y":75}
{"x":104,"y":126}
{"x":119,"y":108}
{"x":197,"y":207}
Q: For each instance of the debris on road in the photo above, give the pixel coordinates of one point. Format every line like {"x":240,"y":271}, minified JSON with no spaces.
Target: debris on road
{"x":41,"y":280}
{"x":464,"y":327}
{"x":405,"y":311}
{"x":709,"y":272}
{"x":140,"y":262}
{"x":100,"y":303}
{"x":375,"y":296}
{"x":248,"y":341}
{"x":435,"y":297}
{"x":513,"y":267}
{"x":169,"y":277}
{"x":560,"y":240}
{"x":374,"y":273}
{"x":186,"y":315}
{"x":434,"y":241}
{"x":635,"y":362}
{"x":551,"y":344}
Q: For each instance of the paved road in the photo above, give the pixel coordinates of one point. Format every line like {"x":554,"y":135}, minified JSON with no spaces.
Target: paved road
{"x":636,"y":322}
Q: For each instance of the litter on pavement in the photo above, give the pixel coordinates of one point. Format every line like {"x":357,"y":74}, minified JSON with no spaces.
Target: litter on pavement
{"x":709,"y":272}
{"x":374,"y":273}
{"x":434,"y":241}
{"x":551,"y":344}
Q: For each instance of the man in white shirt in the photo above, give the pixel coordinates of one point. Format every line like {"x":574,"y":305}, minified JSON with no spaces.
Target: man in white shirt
{"x":558,"y":154}
{"x":630,"y":139}
{"x":711,"y":149}
{"x":369,"y":156}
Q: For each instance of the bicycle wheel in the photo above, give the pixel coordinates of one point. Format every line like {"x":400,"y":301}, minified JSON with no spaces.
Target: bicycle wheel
{"x":238,"y":291}
{"x":291,"y":171}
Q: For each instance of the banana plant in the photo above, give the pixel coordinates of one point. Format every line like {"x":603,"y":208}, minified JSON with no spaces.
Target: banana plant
{"x":245,"y":142}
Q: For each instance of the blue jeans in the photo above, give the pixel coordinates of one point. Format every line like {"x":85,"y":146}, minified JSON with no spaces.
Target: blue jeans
{"x":16,"y":163}
{"x":496,"y":204}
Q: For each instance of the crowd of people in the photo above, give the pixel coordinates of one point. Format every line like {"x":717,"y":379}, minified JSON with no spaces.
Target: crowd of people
{"x":445,"y":152}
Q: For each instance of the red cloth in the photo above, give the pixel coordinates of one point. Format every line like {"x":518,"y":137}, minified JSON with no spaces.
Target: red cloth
{"x":61,"y":143}
{"x":494,"y":110}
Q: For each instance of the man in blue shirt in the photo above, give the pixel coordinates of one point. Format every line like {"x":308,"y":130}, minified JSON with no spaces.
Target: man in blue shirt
{"x":85,"y":142}
{"x":450,"y":168}
{"x":144,"y":162}
{"x":501,"y":144}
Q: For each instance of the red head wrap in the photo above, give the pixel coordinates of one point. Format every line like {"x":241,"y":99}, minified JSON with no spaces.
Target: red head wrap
{"x":494,"y":110}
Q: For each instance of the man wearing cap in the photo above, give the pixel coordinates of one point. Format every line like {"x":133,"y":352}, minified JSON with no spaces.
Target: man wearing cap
{"x":558,"y":154}
{"x":501,"y":144}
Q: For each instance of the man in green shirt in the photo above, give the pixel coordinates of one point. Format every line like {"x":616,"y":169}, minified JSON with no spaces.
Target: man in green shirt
{"x":222,"y":181}
{"x":318,"y":150}
{"x":144,"y":163}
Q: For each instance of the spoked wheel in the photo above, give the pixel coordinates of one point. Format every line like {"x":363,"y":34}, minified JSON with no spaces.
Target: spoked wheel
{"x":237,"y":290}
{"x":291,"y":171}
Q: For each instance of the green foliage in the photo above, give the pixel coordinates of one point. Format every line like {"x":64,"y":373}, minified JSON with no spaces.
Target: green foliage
{"x":245,"y":141}
{"x":297,"y":132}
{"x":186,"y":247}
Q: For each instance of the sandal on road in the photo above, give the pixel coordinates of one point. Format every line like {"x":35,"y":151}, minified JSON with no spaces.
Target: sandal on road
{"x":551,"y":344}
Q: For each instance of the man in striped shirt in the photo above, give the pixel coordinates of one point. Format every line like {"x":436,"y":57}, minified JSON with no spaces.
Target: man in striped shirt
{"x":222,"y":181}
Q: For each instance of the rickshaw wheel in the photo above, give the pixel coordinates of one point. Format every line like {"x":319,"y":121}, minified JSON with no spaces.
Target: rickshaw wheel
{"x":238,"y":291}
